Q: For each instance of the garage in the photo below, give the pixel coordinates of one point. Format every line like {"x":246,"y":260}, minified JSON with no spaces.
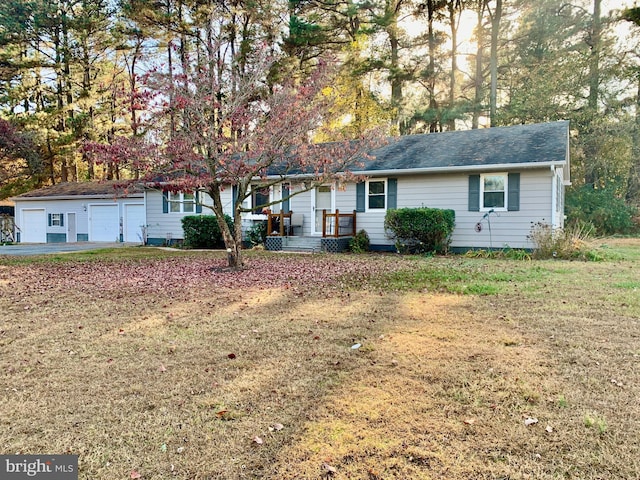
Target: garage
{"x":104,"y":223}
{"x":134,"y":221}
{"x":33,"y":228}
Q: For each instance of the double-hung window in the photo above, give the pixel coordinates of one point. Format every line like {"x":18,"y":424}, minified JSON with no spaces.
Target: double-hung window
{"x":181,"y":202}
{"x":493,"y":193}
{"x":260,"y":197}
{"x":376,"y":194}
{"x":56,"y":220}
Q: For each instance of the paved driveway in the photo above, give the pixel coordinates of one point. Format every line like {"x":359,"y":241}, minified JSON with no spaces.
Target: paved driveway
{"x":46,"y":248}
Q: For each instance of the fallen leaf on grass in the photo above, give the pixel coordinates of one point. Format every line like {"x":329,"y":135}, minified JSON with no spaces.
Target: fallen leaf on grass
{"x":162,"y":368}
{"x":549,"y":429}
{"x":257,"y":440}
{"x":231,"y":356}
{"x":328,"y":469}
{"x":530,"y":421}
{"x":135,"y":474}
{"x":470,"y":421}
{"x":276,"y":426}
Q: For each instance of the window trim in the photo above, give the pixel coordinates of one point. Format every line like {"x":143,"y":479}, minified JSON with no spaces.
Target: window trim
{"x":367,"y":195}
{"x":248,"y":202}
{"x":505,"y":192}
{"x":178,"y":199}
{"x":56,"y":219}
{"x":257,"y":189}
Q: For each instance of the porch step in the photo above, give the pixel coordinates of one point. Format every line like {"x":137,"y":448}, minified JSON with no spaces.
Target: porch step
{"x":301,"y":244}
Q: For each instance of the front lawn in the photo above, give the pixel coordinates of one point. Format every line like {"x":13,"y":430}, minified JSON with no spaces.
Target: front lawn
{"x":154,"y":365}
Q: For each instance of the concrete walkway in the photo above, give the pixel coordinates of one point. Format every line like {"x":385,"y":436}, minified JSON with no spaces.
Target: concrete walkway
{"x":48,"y":248}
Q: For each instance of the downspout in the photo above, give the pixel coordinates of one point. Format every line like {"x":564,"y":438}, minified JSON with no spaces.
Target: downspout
{"x":554,"y":199}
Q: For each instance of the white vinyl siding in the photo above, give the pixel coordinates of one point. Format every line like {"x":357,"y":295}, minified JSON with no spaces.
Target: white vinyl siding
{"x":451,"y":192}
{"x":80,"y":207}
{"x":169,"y":227}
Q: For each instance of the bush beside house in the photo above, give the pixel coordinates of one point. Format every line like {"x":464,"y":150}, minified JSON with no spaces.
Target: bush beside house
{"x":420,"y":230}
{"x":202,"y":231}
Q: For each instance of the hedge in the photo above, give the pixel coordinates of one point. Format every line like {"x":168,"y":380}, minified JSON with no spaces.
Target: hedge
{"x":202,"y":231}
{"x":420,"y":230}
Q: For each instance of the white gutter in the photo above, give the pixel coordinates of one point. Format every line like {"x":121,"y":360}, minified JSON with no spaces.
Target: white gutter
{"x":77,"y":197}
{"x":461,"y":168}
{"x":448,"y":169}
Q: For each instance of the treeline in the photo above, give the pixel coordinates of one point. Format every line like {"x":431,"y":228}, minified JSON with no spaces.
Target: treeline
{"x":77,"y":71}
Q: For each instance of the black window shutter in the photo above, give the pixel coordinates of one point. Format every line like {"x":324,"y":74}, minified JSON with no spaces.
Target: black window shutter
{"x":513,"y":200}
{"x":198,"y":199}
{"x":49,"y":219}
{"x":360,"y":197}
{"x":392,"y":193}
{"x":474,"y":193}
{"x":165,"y":202}
{"x":62,"y":219}
{"x":234,"y":199}
{"x":286,"y":204}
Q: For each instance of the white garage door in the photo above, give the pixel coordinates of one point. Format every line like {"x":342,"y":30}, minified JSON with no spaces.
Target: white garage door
{"x":34,"y":226}
{"x":134,"y":219}
{"x":104,"y":223}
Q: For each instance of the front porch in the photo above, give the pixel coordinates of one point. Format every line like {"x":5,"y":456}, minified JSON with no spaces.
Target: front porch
{"x":337,"y":231}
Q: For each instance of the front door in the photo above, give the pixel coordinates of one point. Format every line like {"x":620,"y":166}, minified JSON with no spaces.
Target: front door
{"x":322,"y":199}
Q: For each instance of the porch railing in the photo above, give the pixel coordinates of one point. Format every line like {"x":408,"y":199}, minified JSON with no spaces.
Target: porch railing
{"x":338,"y":224}
{"x":276,"y":224}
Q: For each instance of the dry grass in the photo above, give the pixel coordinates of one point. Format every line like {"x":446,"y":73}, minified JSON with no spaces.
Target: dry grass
{"x":134,"y":375}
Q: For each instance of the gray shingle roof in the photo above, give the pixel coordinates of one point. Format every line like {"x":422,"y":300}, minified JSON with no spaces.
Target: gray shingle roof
{"x":519,"y":144}
{"x":73,"y":189}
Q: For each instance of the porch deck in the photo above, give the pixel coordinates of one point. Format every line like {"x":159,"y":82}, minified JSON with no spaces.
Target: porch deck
{"x":337,"y":231}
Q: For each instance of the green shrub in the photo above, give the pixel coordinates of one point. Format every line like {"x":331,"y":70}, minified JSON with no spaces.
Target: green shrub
{"x":420,"y":230}
{"x":202,"y":231}
{"x":360,"y":243}
{"x":600,"y":208}
{"x":257,"y":234}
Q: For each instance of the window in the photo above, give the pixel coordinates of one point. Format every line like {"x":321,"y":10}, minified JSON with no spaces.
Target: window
{"x":498,"y":191}
{"x":56,"y":220}
{"x":181,"y":202}
{"x":494,"y":189}
{"x":376,"y":194}
{"x":259,"y":198}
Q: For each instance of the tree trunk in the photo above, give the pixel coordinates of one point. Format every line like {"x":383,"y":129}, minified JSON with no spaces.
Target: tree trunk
{"x":495,"y":31}
{"x":594,"y":57}
{"x":478,"y":77}
{"x":431,"y":80}
{"x":451,"y":122}
{"x":232,"y":239}
{"x":633,"y":184}
{"x":396,"y":80}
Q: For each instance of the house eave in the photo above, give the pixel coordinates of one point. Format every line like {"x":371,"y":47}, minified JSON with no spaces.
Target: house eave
{"x":437,"y":170}
{"x":461,"y":169}
{"x":76,"y":197}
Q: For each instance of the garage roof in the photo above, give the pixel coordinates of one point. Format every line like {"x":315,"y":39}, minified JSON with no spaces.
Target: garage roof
{"x":109,"y":189}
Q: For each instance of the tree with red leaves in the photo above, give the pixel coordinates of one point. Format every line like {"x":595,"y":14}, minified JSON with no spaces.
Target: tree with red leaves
{"x":223,"y":125}
{"x":20,"y":161}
